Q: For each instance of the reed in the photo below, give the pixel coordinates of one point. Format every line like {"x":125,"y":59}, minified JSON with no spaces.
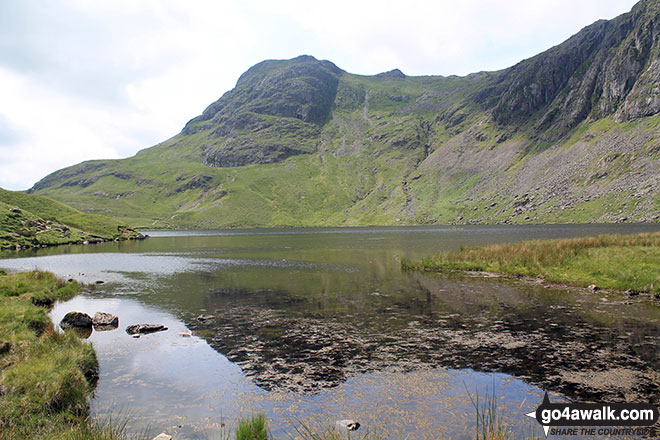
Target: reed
{"x":613,"y":261}
{"x":252,"y":428}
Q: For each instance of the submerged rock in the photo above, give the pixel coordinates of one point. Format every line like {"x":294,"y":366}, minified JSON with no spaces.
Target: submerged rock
{"x":105,"y":321}
{"x":204,"y":318}
{"x":76,"y":320}
{"x":163,"y":436}
{"x":144,"y":328}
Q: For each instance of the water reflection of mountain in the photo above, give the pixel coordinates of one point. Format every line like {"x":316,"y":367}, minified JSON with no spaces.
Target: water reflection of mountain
{"x":566,"y":342}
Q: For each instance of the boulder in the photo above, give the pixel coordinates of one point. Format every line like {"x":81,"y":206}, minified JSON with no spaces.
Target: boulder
{"x":104,"y":321}
{"x":593,"y":287}
{"x":76,"y":320}
{"x":16,"y":209}
{"x":144,"y":328}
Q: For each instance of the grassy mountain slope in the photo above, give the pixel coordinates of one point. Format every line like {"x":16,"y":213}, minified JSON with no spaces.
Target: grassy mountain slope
{"x":568,"y":135}
{"x":31,"y":220}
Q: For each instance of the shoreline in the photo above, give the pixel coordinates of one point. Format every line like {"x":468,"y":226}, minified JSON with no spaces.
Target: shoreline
{"x":92,"y":240}
{"x":537,"y":280}
{"x":402,"y":224}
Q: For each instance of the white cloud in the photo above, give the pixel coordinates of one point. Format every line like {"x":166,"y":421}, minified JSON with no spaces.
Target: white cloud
{"x":84,"y":80}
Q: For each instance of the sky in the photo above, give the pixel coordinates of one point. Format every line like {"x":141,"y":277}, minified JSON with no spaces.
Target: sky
{"x":97,"y":79}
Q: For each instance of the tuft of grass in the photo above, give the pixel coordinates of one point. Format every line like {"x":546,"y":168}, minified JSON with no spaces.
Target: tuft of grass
{"x":112,"y":428}
{"x":252,"y":428}
{"x":306,"y":431}
{"x":489,"y":425}
{"x":611,"y":261}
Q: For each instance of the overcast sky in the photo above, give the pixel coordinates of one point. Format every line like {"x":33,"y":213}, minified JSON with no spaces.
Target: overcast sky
{"x":99,"y":79}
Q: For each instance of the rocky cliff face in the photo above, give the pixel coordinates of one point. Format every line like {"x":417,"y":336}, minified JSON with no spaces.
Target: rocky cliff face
{"x":608,"y":68}
{"x":571,"y":134}
{"x":275,"y":111}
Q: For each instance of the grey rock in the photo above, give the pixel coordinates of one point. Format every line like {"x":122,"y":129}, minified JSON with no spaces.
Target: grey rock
{"x":104,"y":320}
{"x":16,"y":209}
{"x":76,"y":319}
{"x":163,"y":436}
{"x":144,"y":328}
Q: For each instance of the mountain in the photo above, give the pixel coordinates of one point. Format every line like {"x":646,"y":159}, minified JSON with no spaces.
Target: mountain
{"x":32,"y":221}
{"x":572,"y":134}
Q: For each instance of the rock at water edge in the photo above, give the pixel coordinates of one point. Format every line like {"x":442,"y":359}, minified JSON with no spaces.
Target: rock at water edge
{"x":76,"y":319}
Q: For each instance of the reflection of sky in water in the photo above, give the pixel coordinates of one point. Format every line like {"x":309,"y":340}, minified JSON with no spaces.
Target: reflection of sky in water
{"x":106,"y":266}
{"x":110,"y":266}
{"x":160,"y":379}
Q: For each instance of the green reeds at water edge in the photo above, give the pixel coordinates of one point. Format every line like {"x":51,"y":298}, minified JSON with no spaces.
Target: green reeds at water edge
{"x":489,"y":425}
{"x":615,"y":261}
{"x":252,"y":428}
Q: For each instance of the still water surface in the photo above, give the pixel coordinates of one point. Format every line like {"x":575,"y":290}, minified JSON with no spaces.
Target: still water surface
{"x":317,"y":325}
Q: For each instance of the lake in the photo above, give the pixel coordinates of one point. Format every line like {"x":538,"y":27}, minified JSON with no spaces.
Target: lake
{"x":311,"y":326}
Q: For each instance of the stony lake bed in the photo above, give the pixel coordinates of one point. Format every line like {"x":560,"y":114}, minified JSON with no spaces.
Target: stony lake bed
{"x":316,"y":325}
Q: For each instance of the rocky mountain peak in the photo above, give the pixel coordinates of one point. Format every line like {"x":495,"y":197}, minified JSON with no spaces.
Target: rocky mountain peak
{"x":274,"y":111}
{"x":392,"y":74}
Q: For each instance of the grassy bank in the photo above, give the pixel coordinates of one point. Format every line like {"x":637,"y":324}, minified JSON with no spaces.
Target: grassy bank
{"x":28,"y":220}
{"x":45,"y":376}
{"x":619,"y":262}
